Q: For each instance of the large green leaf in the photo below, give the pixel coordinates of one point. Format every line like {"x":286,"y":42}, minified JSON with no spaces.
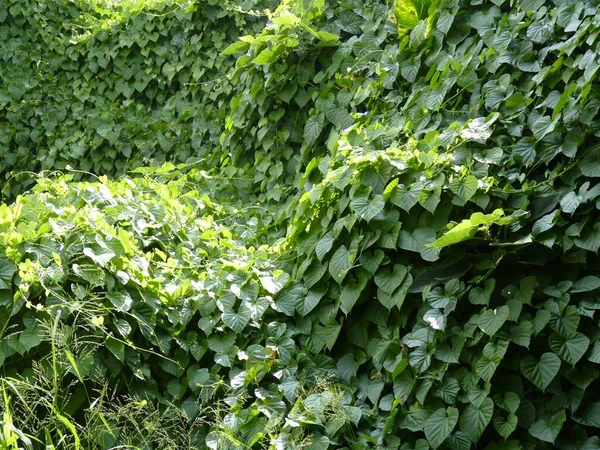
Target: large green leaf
{"x":351,"y":291}
{"x":505,"y":426}
{"x":388,"y":280}
{"x":439,"y":425}
{"x":311,"y":300}
{"x":541,"y":372}
{"x":481,"y":296}
{"x":474,"y":420}
{"x":571,"y":349}
{"x":491,"y":320}
{"x":341,"y":261}
{"x":237,"y":320}
{"x":7,"y":270}
{"x":547,"y":429}
{"x":465,"y":188}
{"x":313,"y":128}
{"x":31,"y":337}
{"x":367,"y":207}
{"x":324,"y":245}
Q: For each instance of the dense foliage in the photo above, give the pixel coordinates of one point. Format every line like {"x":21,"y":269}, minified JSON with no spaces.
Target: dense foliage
{"x":106,"y":88}
{"x":391,"y":244}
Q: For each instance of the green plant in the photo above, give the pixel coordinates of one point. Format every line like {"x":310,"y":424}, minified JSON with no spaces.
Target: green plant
{"x":107,"y":86}
{"x":392,"y":246}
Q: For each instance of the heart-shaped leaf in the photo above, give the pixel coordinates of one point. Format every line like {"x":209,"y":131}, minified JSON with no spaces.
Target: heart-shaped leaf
{"x":505,"y":427}
{"x":547,"y":429}
{"x":340,"y":263}
{"x":492,"y":319}
{"x":572,"y":349}
{"x":541,"y":372}
{"x":474,"y":420}
{"x":388,"y":280}
{"x":439,"y":425}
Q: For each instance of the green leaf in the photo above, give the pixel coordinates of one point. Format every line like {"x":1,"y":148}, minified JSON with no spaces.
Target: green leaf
{"x":327,"y":37}
{"x":439,"y":425}
{"x":565,"y":324}
{"x":571,"y":349}
{"x":524,"y":150}
{"x":547,"y":429}
{"x":406,"y":198}
{"x":564,"y":98}
{"x":221,"y":343}
{"x":313,"y":128}
{"x":588,"y":415}
{"x":116,"y":347}
{"x":366,"y":207}
{"x":370,"y":261}
{"x":468,"y":227}
{"x":315,"y":294}
{"x":285,"y":18}
{"x":505,"y":426}
{"x":586,"y":284}
{"x":570,"y":202}
{"x":324,"y":245}
{"x":486,"y":366}
{"x":237,"y":320}
{"x":236,"y":47}
{"x":351,"y":291}
{"x":545,"y":223}
{"x":594,"y":355}
{"x":397,"y":298}
{"x":541,"y":372}
{"x":521,"y":334}
{"x":590,"y":239}
{"x":288,"y":300}
{"x":7,"y":270}
{"x":479,"y":296}
{"x":474,"y":420}
{"x":542,"y":126}
{"x":263,"y":57}
{"x":31,"y":337}
{"x":388,"y":280}
{"x":273,"y":284}
{"x":418,"y":241}
{"x":509,"y":401}
{"x":464,"y":188}
{"x":492,"y":319}
{"x":420,"y":358}
{"x":340,"y":263}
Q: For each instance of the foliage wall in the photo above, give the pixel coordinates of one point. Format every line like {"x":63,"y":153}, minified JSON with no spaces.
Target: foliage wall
{"x":105,"y":88}
{"x":397,"y":248}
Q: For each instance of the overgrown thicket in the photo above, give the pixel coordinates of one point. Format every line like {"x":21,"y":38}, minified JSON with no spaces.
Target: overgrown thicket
{"x":107,"y":86}
{"x":387,"y":237}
